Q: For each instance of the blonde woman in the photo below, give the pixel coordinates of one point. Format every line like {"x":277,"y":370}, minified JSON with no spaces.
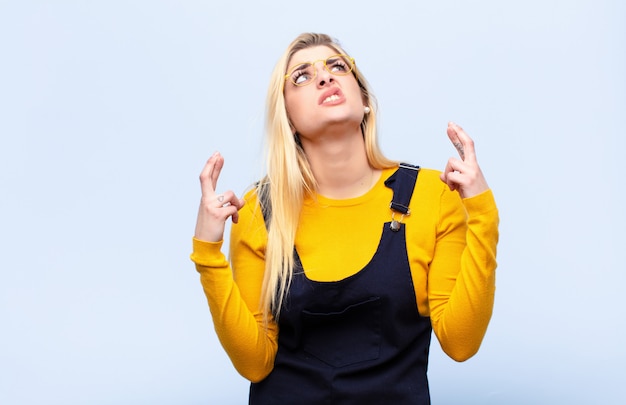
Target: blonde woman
{"x":342,"y":262}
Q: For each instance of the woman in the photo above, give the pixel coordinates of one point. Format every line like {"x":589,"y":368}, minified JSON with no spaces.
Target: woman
{"x":344,"y":261}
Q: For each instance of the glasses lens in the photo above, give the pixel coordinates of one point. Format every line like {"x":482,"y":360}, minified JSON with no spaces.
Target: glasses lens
{"x":339,"y":65}
{"x":302,"y":74}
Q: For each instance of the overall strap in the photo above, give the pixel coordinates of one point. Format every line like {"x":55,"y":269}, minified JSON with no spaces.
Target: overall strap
{"x":402,"y":182}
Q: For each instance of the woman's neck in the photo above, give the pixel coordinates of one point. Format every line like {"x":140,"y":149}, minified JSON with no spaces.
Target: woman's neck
{"x":340,"y":166}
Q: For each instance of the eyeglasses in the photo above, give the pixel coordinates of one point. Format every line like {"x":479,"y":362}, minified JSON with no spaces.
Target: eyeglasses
{"x":305,"y":73}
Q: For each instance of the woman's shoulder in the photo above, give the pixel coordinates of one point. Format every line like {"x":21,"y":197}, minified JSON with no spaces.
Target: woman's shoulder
{"x":251,"y":212}
{"x":251,"y":194}
{"x":429,"y":174}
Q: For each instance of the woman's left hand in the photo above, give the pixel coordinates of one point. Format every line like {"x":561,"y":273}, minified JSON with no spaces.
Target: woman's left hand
{"x":463,"y":174}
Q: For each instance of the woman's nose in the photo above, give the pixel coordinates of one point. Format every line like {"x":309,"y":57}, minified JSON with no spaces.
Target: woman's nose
{"x":324,"y":77}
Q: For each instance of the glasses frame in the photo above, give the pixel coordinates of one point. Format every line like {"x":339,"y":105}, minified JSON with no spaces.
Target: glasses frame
{"x":349,"y":60}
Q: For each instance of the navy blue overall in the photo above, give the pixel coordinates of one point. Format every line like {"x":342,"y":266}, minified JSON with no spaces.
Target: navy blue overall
{"x":359,"y":340}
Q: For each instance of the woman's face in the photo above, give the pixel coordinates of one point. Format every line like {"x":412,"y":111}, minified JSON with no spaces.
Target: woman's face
{"x":330,"y":102}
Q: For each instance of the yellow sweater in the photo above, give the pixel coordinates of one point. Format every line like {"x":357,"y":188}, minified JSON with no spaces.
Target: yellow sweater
{"x":451,"y":245}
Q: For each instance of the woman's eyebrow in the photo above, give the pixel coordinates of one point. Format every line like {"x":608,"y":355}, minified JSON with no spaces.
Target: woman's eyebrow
{"x":302,"y":65}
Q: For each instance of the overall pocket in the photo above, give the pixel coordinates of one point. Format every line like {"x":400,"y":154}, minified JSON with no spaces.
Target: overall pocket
{"x":346,"y":336}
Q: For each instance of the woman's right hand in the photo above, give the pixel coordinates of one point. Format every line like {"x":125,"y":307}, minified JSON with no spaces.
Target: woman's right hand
{"x":215,"y":208}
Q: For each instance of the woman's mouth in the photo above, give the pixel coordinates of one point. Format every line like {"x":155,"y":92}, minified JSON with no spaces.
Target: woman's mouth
{"x":332,"y":96}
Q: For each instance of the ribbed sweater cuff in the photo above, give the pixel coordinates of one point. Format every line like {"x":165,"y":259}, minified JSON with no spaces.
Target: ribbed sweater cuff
{"x":480,"y":204}
{"x":208,"y":254}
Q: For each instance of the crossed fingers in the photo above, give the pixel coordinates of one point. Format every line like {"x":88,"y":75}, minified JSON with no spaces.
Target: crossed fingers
{"x":463,"y":174}
{"x":215,"y":208}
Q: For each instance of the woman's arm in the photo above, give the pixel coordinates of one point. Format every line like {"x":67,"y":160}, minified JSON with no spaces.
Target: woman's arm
{"x":250,"y":344}
{"x":461,"y":280}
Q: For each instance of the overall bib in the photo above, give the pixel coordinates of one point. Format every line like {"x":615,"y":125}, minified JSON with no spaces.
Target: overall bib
{"x":359,"y":340}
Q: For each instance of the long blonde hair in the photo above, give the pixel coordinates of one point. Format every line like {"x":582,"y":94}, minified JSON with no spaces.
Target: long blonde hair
{"x":289,"y":176}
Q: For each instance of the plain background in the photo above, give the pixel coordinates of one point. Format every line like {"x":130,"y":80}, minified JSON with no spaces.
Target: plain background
{"x":109,"y":109}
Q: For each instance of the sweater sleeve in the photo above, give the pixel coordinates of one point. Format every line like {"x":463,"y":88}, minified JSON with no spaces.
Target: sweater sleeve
{"x":461,"y":279}
{"x":234,"y":299}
